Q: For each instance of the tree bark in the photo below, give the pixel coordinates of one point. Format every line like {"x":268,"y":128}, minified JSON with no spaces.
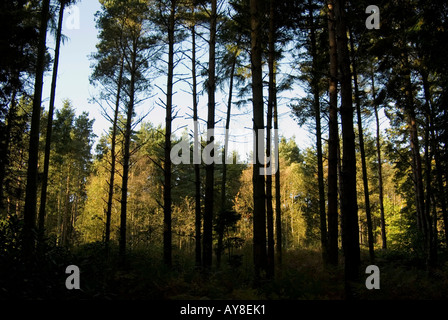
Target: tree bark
{"x":209,"y":168}
{"x":269,"y":154}
{"x":113,"y":157}
{"x":363,"y":153}
{"x":127,"y":156}
{"x":258,"y":181}
{"x":430,"y":152}
{"x":224,"y":211}
{"x":423,"y":220}
{"x":167,"y":200}
{"x":196,"y":150}
{"x":43,"y":196}
{"x":349,"y":207}
{"x":333,"y":142}
{"x":380,"y":166}
{"x":432,"y":232}
{"x":316,"y":107}
{"x":29,"y":216}
{"x":278,"y":207}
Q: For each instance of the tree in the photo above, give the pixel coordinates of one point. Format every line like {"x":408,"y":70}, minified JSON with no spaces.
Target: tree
{"x":380,"y":165}
{"x":333,"y":140}
{"x":131,"y":43}
{"x":17,"y":151}
{"x":278,"y":210}
{"x":68,"y":171}
{"x":403,"y":29}
{"x":110,"y":53}
{"x":43,"y":197}
{"x":349,"y":208}
{"x":19,"y":22}
{"x":259,"y":217}
{"x":166,"y":16}
{"x":230,"y":62}
{"x":196,"y":145}
{"x":314,"y":82}
{"x":29,"y":216}
{"x":209,"y":168}
{"x":167,"y":240}
{"x":361,"y":147}
{"x":269,"y":154}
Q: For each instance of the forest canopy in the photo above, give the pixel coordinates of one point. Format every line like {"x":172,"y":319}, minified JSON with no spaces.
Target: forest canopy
{"x":370,"y":87}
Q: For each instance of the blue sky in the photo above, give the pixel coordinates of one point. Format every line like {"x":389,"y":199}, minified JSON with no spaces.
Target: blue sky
{"x":73,"y":84}
{"x":74,"y":65}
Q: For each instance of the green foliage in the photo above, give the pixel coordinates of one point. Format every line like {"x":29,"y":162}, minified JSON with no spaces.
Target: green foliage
{"x":70,"y":166}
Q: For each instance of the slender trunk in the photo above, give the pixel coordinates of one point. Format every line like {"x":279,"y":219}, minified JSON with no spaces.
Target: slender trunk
{"x":432,"y":260}
{"x":113,"y":156}
{"x":209,"y":168}
{"x":32,"y":181}
{"x":43,"y":196}
{"x":380,"y":166}
{"x":269,"y":154}
{"x":440,"y":185}
{"x":333,"y":142}
{"x":363,"y":153}
{"x":196,"y":148}
{"x":349,"y":207}
{"x":278,"y":207}
{"x":430,"y":152}
{"x":422,"y":218}
{"x":224,"y":211}
{"x":316,"y":107}
{"x":167,"y":201}
{"x":127,"y":156}
{"x":258,"y":181}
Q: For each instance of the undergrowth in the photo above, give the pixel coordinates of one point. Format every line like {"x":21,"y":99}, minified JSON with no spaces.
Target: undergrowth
{"x":301,"y":275}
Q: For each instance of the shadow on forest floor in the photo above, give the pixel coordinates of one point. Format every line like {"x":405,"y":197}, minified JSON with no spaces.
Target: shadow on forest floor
{"x":301,"y":276}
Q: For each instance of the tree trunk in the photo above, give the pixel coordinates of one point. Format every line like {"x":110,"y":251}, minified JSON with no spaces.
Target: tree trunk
{"x":316,"y":107}
{"x":269,"y":154}
{"x":380,"y":166}
{"x":127,"y":155}
{"x":32,"y":180}
{"x":333,"y":142}
{"x":43,"y":196}
{"x":441,"y":188}
{"x":278,"y":206}
{"x":258,"y":181}
{"x":432,"y":259}
{"x":167,"y":201}
{"x":363,"y":153}
{"x":113,"y":157}
{"x":221,"y":226}
{"x":422,"y":216}
{"x":430,"y":152}
{"x":209,"y":168}
{"x":197,"y":154}
{"x":349,"y":207}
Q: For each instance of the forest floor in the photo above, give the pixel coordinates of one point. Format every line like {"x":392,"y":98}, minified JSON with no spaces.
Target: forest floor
{"x":301,"y":276}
